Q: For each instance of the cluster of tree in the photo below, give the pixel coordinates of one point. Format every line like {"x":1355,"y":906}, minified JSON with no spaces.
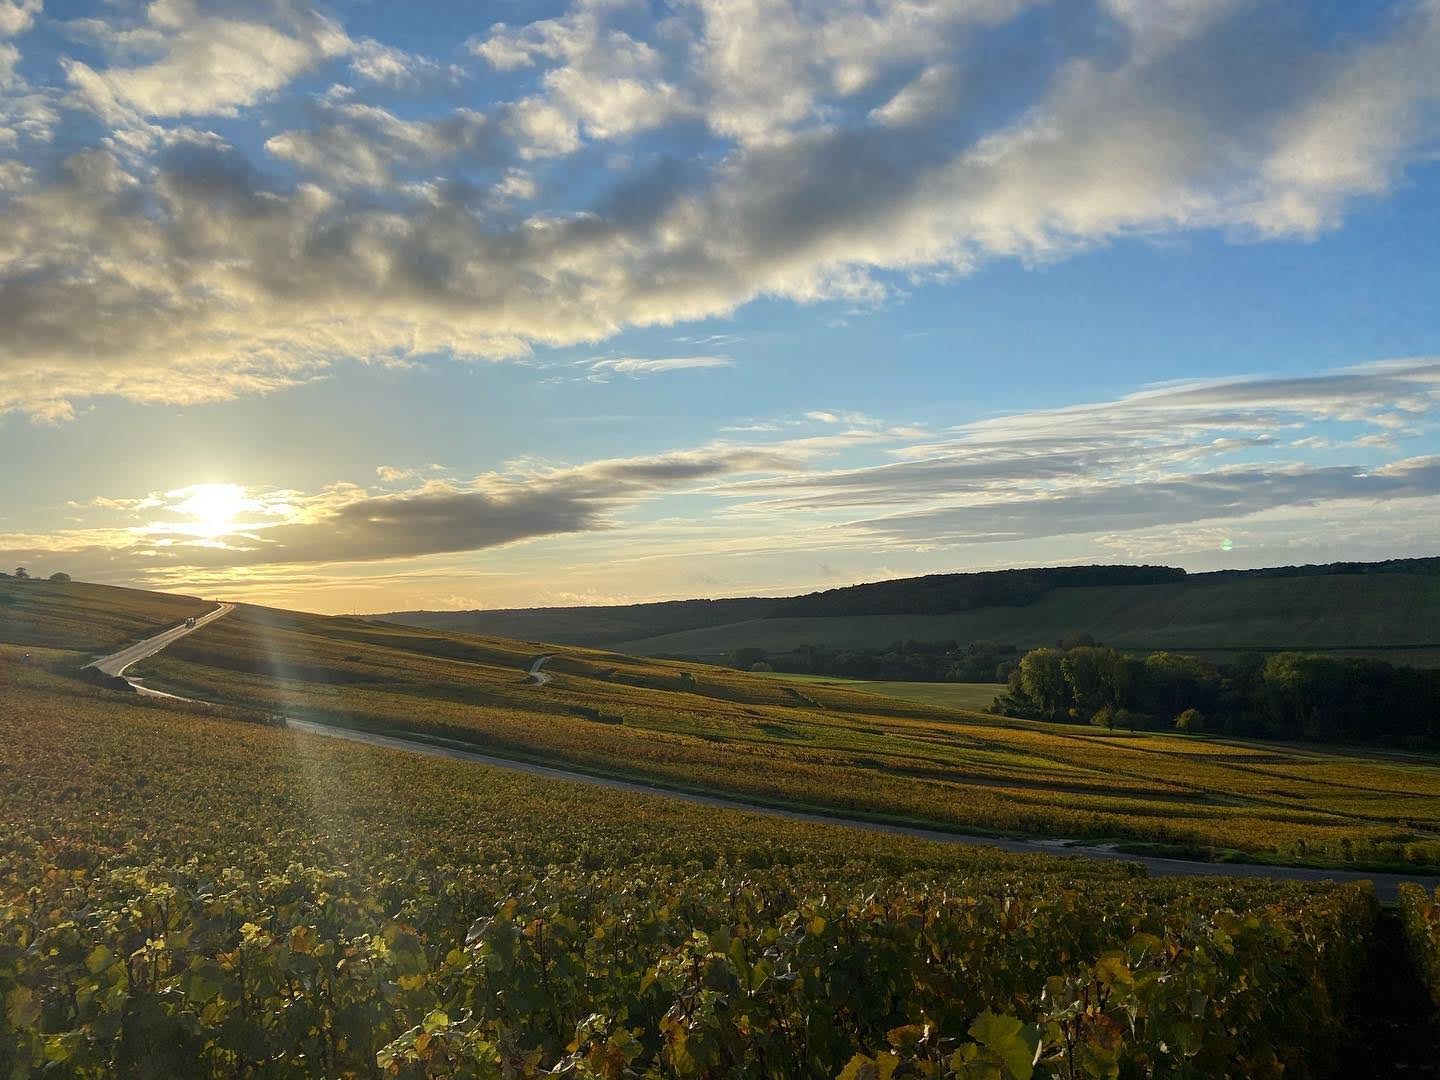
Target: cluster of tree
{"x":901,"y":661}
{"x":22,"y":574}
{"x":1285,"y":695}
{"x":940,"y":593}
{"x":1429,"y":565}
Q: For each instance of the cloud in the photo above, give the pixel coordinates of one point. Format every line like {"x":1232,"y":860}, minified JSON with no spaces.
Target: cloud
{"x":213,"y":526}
{"x":17,"y":16}
{"x":212,"y":59}
{"x":359,"y":145}
{"x":1221,"y":495}
{"x":384,"y":65}
{"x":602,"y":82}
{"x":637,"y":367}
{"x":851,"y":144}
{"x":1285,"y":465}
{"x":1143,"y":437}
{"x":27,"y":115}
{"x":931,"y":92}
{"x":761,"y":87}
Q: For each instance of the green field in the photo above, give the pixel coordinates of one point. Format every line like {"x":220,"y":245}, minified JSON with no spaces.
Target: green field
{"x":1394,"y":617}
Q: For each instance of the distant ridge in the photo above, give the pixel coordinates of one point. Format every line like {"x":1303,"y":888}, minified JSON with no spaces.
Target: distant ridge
{"x":1378,"y":607}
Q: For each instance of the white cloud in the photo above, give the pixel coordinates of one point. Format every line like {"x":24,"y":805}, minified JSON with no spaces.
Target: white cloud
{"x":761,"y":86}
{"x":396,"y":69}
{"x":208,"y":64}
{"x":603,"y":81}
{"x":1164,"y":436}
{"x":636,"y":366}
{"x":832,"y":155}
{"x":1347,"y":140}
{"x":17,"y":16}
{"x":543,"y":129}
{"x":359,"y":145}
{"x":931,"y":92}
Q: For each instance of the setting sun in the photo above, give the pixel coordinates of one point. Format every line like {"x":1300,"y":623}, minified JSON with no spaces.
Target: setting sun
{"x":213,"y":507}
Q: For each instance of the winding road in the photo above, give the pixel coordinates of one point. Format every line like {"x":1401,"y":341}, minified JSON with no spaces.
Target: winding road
{"x":535,"y":675}
{"x":116,"y":663}
{"x":1386,"y":885}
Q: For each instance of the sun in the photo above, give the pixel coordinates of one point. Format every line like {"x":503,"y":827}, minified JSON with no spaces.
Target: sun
{"x":213,"y":507}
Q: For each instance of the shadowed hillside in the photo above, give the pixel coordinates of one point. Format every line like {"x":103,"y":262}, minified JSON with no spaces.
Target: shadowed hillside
{"x":1389,"y":609}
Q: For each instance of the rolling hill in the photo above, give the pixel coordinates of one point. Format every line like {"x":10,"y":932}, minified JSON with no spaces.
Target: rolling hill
{"x":835,"y":749}
{"x":1390,"y":610}
{"x":232,"y":886}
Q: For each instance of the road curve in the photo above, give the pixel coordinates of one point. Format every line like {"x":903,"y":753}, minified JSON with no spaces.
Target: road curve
{"x":535,"y":675}
{"x":116,"y":663}
{"x":1386,"y":885}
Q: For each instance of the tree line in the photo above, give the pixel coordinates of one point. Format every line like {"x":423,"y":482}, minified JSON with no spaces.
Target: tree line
{"x":936,"y":594}
{"x":1289,"y":695}
{"x":942,"y":593}
{"x":22,"y":574}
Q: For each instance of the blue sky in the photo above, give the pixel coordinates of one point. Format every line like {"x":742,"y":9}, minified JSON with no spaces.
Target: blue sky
{"x":356,"y":307}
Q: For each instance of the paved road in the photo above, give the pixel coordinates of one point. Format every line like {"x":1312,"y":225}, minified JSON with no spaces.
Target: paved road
{"x":116,"y":663}
{"x":538,"y":677}
{"x":1385,"y":884}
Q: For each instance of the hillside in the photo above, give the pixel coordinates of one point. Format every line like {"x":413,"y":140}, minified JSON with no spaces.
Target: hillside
{"x":597,"y":626}
{"x":1390,"y":610}
{"x":835,"y":749}
{"x":79,"y":615}
{"x":224,"y":894}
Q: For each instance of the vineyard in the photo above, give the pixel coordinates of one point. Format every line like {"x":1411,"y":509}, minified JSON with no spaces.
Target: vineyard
{"x":1420,"y":914}
{"x":820,"y":746}
{"x":48,"y":615}
{"x":190,"y":894}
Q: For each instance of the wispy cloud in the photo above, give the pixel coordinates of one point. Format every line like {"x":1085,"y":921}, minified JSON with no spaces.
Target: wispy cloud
{"x":638,"y":367}
{"x":1197,"y":456}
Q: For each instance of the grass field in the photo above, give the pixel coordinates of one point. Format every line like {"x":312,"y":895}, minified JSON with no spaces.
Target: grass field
{"x":818,"y":745}
{"x":1394,"y":617}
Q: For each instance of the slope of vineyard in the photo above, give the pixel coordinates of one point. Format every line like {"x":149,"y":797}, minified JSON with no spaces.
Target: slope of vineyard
{"x":184,"y":893}
{"x":1387,"y":610}
{"x":826,"y":747}
{"x":1420,"y":913}
{"x":81,"y":616}
{"x":1391,"y":616}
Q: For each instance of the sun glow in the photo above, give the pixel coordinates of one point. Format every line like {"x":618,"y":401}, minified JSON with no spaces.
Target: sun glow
{"x":213,"y":508}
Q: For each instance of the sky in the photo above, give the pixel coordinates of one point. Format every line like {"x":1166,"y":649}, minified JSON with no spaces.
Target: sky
{"x":360,"y":307}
